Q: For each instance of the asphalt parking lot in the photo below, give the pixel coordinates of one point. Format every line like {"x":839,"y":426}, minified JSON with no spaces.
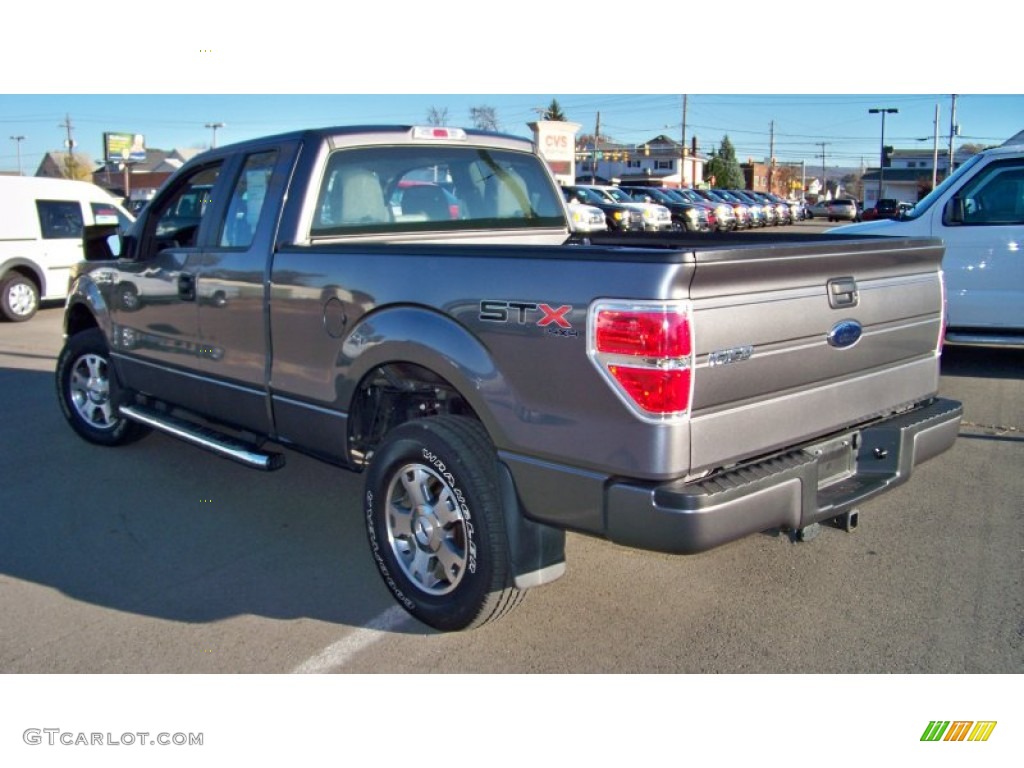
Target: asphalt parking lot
{"x":158,"y":557}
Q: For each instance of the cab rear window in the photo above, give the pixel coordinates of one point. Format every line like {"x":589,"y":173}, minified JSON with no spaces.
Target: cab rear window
{"x":433,"y":188}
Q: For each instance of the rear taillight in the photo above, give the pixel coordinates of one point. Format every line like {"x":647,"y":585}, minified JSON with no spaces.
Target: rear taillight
{"x":645,"y":351}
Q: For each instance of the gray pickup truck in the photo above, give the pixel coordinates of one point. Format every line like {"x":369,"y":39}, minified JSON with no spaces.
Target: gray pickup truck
{"x":411,"y":303}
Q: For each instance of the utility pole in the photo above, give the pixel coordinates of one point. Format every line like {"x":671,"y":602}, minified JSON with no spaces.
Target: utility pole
{"x":214,"y":127}
{"x":682,"y":147}
{"x":70,"y":144}
{"x":17,"y":140}
{"x":952,"y":133}
{"x":824,"y":182}
{"x":597,"y":143}
{"x":771,"y":155}
{"x":935,"y":149}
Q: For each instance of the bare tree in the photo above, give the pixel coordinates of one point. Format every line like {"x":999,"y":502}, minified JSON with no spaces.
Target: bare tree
{"x":437,"y":116}
{"x":485,"y":118}
{"x":76,"y":168}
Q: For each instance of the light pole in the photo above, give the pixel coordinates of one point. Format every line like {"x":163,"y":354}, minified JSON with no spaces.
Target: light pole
{"x":214,"y":127}
{"x":883,"y":111}
{"x":17,"y":140}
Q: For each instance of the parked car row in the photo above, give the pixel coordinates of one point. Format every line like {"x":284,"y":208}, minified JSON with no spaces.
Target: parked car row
{"x":683,"y":210}
{"x":623,"y":212}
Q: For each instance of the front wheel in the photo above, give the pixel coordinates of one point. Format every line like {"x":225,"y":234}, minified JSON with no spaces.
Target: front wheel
{"x":436,"y":523}
{"x":86,"y":388}
{"x":19,"y":297}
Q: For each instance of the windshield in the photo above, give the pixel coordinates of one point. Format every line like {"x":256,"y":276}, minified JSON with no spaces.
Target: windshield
{"x":928,"y":200}
{"x":618,"y":195}
{"x":587,"y":196}
{"x":658,"y":195}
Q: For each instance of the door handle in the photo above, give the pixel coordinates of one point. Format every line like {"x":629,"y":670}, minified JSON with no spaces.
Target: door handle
{"x":187,"y":286}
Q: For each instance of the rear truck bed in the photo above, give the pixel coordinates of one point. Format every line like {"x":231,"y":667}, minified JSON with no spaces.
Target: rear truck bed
{"x":814,"y":378}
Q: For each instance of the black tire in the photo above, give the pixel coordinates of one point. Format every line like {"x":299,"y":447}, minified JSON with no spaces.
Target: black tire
{"x":87,"y":388}
{"x":19,"y":297}
{"x":436,"y":524}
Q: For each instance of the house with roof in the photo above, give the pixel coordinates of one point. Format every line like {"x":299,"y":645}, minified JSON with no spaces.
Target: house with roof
{"x":54,"y":165}
{"x":908,"y":174}
{"x":655,"y":162}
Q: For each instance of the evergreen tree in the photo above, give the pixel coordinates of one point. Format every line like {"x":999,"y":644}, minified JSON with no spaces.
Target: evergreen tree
{"x":554,"y":112}
{"x":724,"y":167}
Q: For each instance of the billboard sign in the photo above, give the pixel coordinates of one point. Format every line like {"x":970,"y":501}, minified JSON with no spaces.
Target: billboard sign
{"x":124,"y":147}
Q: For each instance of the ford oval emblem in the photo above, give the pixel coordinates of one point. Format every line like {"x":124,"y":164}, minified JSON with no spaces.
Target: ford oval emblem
{"x":845,"y":333}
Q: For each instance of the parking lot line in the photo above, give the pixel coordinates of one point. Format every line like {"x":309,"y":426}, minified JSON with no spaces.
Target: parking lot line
{"x":337,"y":654}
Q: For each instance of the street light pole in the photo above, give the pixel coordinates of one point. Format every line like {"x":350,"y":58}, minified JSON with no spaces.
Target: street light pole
{"x":883,"y":111}
{"x":214,"y":127}
{"x":17,"y":140}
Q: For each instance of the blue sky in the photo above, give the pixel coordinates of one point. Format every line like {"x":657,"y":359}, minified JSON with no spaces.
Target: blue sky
{"x":801,"y":121}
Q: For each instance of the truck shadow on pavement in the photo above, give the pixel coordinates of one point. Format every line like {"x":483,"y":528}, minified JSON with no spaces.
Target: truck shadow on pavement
{"x":163,"y":529}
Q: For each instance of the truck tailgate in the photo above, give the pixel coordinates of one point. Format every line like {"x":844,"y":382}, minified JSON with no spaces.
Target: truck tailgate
{"x":795,"y":341}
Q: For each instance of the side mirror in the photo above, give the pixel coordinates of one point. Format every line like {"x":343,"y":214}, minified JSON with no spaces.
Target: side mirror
{"x":101,"y":242}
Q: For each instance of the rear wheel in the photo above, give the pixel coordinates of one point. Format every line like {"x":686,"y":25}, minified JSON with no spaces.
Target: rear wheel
{"x":19,"y":297}
{"x":436,"y":523}
{"x":86,"y":387}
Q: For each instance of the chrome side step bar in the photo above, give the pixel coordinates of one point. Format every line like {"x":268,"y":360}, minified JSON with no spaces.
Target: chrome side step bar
{"x":205,"y":437}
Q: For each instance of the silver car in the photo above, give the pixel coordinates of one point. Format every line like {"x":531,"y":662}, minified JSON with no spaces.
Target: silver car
{"x":842,"y":210}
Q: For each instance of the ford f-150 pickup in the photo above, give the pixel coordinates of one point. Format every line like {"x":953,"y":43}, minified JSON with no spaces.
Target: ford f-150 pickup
{"x":411,"y":303}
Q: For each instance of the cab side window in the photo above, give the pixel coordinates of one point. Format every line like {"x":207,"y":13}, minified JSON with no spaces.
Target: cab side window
{"x":243,"y":212}
{"x":178,"y":220}
{"x":996,"y":196}
{"x":60,"y":219}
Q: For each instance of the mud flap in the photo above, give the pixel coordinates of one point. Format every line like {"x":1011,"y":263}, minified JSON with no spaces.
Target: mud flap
{"x":537,"y":551}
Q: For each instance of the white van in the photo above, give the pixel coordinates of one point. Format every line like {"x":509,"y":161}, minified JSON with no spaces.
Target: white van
{"x":978,"y":212}
{"x":41,"y":223}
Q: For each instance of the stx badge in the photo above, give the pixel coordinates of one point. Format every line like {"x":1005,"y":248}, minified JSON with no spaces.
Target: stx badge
{"x":526,"y":313}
